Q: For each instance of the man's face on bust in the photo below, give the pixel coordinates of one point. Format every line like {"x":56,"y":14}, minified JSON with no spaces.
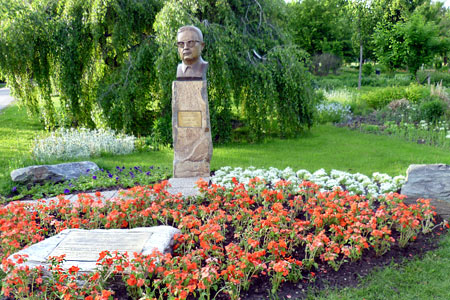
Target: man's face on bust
{"x":189,"y":54}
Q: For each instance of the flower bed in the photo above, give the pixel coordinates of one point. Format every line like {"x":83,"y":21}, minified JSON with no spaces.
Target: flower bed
{"x":230,"y":237}
{"x":355,"y":184}
{"x":119,"y":177}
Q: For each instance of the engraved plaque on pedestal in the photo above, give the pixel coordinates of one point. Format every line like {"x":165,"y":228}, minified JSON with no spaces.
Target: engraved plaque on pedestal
{"x":192,"y":119}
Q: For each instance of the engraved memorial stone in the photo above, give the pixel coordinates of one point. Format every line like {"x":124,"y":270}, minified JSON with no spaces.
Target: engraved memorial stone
{"x":83,"y":247}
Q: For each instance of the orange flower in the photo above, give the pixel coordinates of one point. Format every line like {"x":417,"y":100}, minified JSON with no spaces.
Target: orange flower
{"x":132,"y":280}
{"x":73,"y":270}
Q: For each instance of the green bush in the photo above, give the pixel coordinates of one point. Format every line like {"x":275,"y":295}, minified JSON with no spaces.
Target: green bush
{"x":432,"y":110}
{"x":367,"y":69}
{"x":415,"y":93}
{"x":381,"y":97}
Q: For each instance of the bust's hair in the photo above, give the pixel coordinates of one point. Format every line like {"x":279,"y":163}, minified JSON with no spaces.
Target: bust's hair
{"x":192,"y":28}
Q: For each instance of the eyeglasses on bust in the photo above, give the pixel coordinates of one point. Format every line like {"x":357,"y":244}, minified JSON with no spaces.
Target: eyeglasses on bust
{"x":188,"y":43}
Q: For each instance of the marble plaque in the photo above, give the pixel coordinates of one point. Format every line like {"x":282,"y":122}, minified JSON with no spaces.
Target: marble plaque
{"x":87,"y":245}
{"x":192,"y":119}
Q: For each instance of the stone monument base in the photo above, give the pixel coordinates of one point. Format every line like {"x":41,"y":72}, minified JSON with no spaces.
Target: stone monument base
{"x":186,"y":186}
{"x":191,"y":129}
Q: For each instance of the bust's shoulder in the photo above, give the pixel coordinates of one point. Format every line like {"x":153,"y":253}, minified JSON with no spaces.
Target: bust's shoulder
{"x":203,"y":62}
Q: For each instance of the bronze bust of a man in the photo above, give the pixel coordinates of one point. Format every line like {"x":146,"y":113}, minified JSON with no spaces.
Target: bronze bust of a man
{"x":190,"y":45}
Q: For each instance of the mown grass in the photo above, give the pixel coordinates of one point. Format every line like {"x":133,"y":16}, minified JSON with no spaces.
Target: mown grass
{"x":329,"y":147}
{"x":324,"y":146}
{"x":17,"y":132}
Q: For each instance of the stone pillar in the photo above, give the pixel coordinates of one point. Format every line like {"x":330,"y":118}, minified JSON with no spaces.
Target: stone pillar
{"x":191,"y":129}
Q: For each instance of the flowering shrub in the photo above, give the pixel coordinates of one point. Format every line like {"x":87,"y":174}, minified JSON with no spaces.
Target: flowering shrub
{"x":343,"y":96}
{"x":229,"y":237}
{"x":333,"y":112}
{"x":72,"y":143}
{"x":355,"y":184}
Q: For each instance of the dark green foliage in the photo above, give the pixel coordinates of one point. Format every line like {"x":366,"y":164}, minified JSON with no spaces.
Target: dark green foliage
{"x":432,"y":110}
{"x":368,"y":69}
{"x":411,"y":43}
{"x":321,"y":26}
{"x":351,"y":80}
{"x":117,"y":59}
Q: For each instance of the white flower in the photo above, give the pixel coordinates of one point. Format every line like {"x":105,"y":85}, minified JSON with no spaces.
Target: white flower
{"x":358,"y":184}
{"x":72,"y":143}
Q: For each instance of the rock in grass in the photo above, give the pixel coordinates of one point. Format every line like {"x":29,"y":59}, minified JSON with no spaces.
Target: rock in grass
{"x":55,"y":173}
{"x":429,"y":182}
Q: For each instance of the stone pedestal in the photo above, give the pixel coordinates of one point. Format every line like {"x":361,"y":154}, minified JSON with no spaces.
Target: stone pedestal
{"x":191,"y":129}
{"x":186,"y":186}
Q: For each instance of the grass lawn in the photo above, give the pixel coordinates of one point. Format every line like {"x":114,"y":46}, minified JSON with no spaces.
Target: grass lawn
{"x":324,"y":146}
{"x":329,"y":147}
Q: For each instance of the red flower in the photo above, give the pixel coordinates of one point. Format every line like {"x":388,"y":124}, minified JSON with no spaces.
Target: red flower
{"x":73,"y":269}
{"x":132,"y":280}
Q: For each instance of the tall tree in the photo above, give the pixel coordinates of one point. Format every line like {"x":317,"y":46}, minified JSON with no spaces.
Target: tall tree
{"x":363,"y":23}
{"x":411,"y":43}
{"x":321,"y":26}
{"x":116,"y":59}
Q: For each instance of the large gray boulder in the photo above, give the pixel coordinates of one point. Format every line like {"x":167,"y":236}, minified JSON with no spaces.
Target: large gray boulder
{"x":55,"y":173}
{"x":429,"y":182}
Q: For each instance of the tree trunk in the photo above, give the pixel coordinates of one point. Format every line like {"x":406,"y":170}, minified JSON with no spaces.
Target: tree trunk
{"x":360,"y":64}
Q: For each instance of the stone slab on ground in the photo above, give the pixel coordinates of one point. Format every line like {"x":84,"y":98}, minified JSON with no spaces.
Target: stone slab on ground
{"x":55,"y":173}
{"x":82,"y":247}
{"x":186,"y":186}
{"x":429,"y":182}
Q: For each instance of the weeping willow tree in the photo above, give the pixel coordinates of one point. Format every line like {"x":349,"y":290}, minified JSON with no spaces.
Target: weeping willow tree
{"x":114,"y":60}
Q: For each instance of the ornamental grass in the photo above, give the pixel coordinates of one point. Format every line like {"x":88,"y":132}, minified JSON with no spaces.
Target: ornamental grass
{"x":229,"y":238}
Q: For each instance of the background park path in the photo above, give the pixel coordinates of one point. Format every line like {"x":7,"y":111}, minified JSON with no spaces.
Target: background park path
{"x":5,"y":98}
